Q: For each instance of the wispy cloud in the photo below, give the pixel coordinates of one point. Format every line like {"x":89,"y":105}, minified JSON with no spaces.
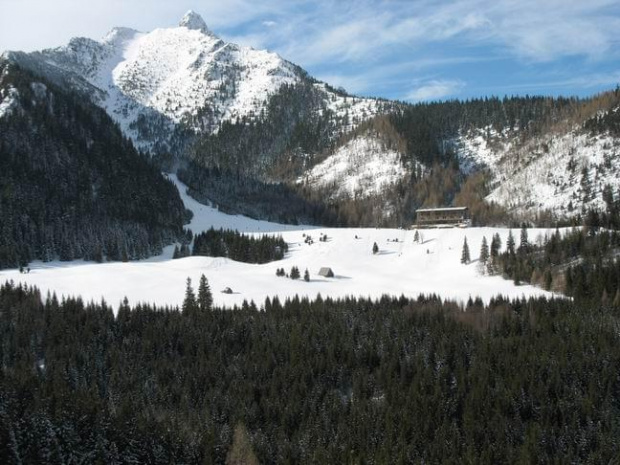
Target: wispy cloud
{"x":435,"y":90}
{"x":528,"y":29}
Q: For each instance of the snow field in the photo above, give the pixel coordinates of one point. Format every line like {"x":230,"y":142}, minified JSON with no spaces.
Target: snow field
{"x":401,"y":267}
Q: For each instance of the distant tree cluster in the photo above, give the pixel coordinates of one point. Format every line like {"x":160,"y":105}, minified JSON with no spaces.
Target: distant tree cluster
{"x":203,"y":302}
{"x":609,"y":119}
{"x":580,"y":264}
{"x":239,"y":247}
{"x":393,"y":380}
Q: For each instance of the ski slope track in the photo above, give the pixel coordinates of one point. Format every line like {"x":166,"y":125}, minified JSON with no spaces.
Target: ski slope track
{"x":401,"y":267}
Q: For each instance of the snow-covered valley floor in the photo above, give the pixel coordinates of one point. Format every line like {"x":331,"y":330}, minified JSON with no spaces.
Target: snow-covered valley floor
{"x":400,"y":267}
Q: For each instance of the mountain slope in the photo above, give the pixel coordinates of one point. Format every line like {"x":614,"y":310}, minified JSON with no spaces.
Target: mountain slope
{"x":562,"y":171}
{"x":71,"y":186}
{"x":166,"y":85}
{"x":242,"y":127}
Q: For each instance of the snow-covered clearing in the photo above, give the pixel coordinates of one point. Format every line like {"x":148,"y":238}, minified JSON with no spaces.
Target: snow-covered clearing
{"x":400,"y":267}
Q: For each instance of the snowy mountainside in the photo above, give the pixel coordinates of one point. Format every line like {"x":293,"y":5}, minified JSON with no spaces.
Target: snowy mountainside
{"x":362,"y":167}
{"x":181,"y":77}
{"x":558,"y":172}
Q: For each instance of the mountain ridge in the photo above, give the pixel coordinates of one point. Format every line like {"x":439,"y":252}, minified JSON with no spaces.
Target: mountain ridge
{"x":169,"y":79}
{"x":251,"y":117}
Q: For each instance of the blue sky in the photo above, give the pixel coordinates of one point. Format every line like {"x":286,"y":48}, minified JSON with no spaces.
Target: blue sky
{"x":408,"y":50}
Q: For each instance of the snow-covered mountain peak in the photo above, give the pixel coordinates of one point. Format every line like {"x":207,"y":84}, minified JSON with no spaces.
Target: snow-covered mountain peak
{"x":119,"y":36}
{"x":181,"y":79}
{"x":194,"y":21}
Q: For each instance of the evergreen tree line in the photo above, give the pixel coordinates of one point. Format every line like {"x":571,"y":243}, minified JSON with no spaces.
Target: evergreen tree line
{"x":427,"y":127}
{"x":239,"y":247}
{"x":581,"y":264}
{"x":393,"y":380}
{"x":608,"y":120}
{"x":71,"y":186}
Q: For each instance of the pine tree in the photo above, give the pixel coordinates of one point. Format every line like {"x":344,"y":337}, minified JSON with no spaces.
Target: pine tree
{"x":465,"y":258}
{"x":205,"y":297}
{"x":375,"y":248}
{"x":510,"y":243}
{"x":496,"y":245}
{"x":484,"y":251}
{"x":295,"y":273}
{"x":189,"y":303}
{"x":524,"y":244}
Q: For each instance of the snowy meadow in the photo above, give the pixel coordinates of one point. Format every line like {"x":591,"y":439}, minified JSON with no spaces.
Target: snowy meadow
{"x":402,"y":266}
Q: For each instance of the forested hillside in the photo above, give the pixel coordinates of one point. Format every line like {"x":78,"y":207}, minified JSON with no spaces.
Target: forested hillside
{"x":71,"y":185}
{"x":432,"y":154}
{"x":348,"y":381}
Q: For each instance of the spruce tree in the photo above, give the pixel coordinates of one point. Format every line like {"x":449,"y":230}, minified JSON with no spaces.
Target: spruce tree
{"x":496,"y":245}
{"x":465,"y":258}
{"x":524,"y":243}
{"x":295,"y":273}
{"x":205,"y":297}
{"x":484,"y":251}
{"x":189,"y":303}
{"x":510,"y":243}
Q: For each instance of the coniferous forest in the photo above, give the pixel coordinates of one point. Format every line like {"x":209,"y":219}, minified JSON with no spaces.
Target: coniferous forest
{"x":72,"y":186}
{"x":329,"y":381}
{"x":266,"y":154}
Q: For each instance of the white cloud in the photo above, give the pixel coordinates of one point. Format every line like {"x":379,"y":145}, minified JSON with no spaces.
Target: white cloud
{"x":353,"y":84}
{"x":435,"y":90}
{"x":527,"y":29}
{"x":545,"y":31}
